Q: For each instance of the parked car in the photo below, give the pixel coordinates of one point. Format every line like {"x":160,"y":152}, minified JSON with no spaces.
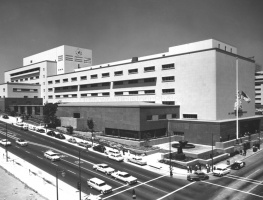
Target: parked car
{"x":40,"y":130}
{"x":99,"y":148}
{"x":24,"y":128}
{"x":137,"y":160}
{"x":51,"y":155}
{"x":103,"y":168}
{"x":197,"y":176}
{"x":72,"y":140}
{"x":99,"y":185}
{"x":5,"y":142}
{"x":5,"y":117}
{"x":125,"y":177}
{"x":19,"y":123}
{"x":221,"y":170}
{"x":51,"y":133}
{"x":112,"y":151}
{"x":84,"y":144}
{"x":21,"y":142}
{"x":60,"y":136}
{"x":238,"y":164}
{"x":117,"y":157}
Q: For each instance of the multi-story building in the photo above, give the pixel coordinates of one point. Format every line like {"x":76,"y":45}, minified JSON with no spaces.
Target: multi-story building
{"x":198,"y":77}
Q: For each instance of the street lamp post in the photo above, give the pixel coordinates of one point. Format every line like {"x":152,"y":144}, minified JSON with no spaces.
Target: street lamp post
{"x":258,"y":139}
{"x":63,"y":173}
{"x":79,"y":184}
{"x":170,"y":154}
{"x":212,"y":151}
{"x":6,"y":153}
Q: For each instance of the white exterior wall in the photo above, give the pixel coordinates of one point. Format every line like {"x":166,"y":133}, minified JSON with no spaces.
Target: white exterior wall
{"x":60,"y":55}
{"x":3,"y":91}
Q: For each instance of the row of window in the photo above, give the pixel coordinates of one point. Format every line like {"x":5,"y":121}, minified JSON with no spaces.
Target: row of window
{"x":26,"y":71}
{"x":24,"y":90}
{"x":161,"y":117}
{"x":119,"y":73}
{"x":25,"y":79}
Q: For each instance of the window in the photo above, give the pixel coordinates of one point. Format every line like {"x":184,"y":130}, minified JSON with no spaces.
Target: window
{"x":83,"y":78}
{"x":133,"y":71}
{"x":50,"y":89}
{"x":83,"y":95}
{"x":149,"y":69}
{"x":93,"y":76}
{"x":133,"y":92}
{"x":43,"y":76}
{"x":74,"y":79}
{"x":50,"y":82}
{"x":74,"y":87}
{"x":106,"y":84}
{"x":31,"y":78}
{"x":94,"y":85}
{"x":57,"y":96}
{"x":149,"y":117}
{"x":74,"y":95}
{"x":118,"y":93}
{"x":104,"y":75}
{"x":65,"y":96}
{"x":3,"y":89}
{"x":168,"y":91}
{"x":118,"y":73}
{"x":50,"y":97}
{"x":57,"y":81}
{"x":162,"y":116}
{"x":105,"y":94}
{"x":178,"y":133}
{"x":168,"y":102}
{"x":83,"y":86}
{"x":65,"y":80}
{"x":133,"y":81}
{"x":174,"y":116}
{"x":190,"y":116}
{"x":37,"y":77}
{"x":168,"y":66}
{"x":25,"y":97}
{"x":94,"y":94}
{"x":149,"y":91}
{"x":25,"y":79}
{"x":43,"y":83}
{"x":168,"y":78}
{"x":43,"y":90}
{"x":21,"y":79}
{"x":149,"y":80}
{"x":118,"y":83}
{"x":76,"y":115}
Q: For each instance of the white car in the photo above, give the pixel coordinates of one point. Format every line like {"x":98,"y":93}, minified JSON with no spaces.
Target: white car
{"x":103,"y":168}
{"x":51,"y":155}
{"x":221,"y":169}
{"x":99,"y":185}
{"x":137,"y":160}
{"x":5,"y":142}
{"x":21,"y":142}
{"x":93,"y":197}
{"x":116,"y":157}
{"x":125,"y":177}
{"x":19,"y":123}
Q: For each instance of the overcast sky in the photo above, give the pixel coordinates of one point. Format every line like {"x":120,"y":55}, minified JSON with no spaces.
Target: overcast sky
{"x":120,"y":29}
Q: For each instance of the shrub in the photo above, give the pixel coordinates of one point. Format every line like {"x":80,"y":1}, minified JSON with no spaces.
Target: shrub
{"x":70,"y":130}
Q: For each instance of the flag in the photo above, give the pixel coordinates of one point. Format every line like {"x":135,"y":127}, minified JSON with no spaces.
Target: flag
{"x":245,"y":97}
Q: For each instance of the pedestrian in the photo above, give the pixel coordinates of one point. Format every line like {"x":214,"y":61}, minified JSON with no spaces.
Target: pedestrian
{"x":245,"y":152}
{"x":190,"y":169}
{"x":199,"y":166}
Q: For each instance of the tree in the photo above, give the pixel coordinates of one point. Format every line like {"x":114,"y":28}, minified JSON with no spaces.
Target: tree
{"x":49,"y":112}
{"x":91,"y":125}
{"x":146,"y":138}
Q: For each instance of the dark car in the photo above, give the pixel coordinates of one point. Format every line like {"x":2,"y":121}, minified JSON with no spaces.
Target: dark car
{"x":60,"y":136}
{"x":238,"y":164}
{"x":51,"y":133}
{"x":5,"y":117}
{"x":99,"y":148}
{"x":197,"y":176}
{"x":41,"y":130}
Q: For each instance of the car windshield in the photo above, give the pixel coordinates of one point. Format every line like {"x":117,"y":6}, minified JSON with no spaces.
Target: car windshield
{"x":104,"y":166}
{"x":126,"y":175}
{"x":21,"y":140}
{"x":118,"y":155}
{"x":137,"y":158}
{"x":101,"y":184}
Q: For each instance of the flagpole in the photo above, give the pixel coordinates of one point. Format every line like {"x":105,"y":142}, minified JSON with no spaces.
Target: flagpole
{"x":237,"y":96}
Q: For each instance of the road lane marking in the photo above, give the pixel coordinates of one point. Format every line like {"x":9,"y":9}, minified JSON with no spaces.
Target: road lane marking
{"x":253,"y":173}
{"x":233,"y":189}
{"x":40,"y":157}
{"x":154,"y":187}
{"x":135,"y":186}
{"x":176,"y":190}
{"x":71,"y":172}
{"x":243,"y":179}
{"x":27,"y":151}
{"x":255,"y":186}
{"x":54,"y":164}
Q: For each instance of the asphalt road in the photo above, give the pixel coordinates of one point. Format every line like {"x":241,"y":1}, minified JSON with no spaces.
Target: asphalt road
{"x":246,"y":183}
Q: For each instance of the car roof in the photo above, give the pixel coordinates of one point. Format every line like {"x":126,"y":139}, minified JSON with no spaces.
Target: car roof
{"x":222,"y":165}
{"x":103,"y":164}
{"x":97,"y":180}
{"x":238,"y":161}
